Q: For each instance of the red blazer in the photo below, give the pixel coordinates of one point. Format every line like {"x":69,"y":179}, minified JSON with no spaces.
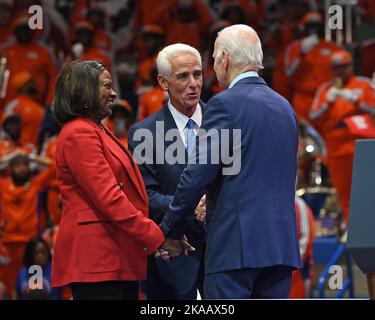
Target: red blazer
{"x":104,"y":233}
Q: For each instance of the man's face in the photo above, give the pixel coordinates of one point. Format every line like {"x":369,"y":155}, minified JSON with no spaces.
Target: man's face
{"x":184,"y":85}
{"x":220,"y":66}
{"x":20,"y":172}
{"x":343,"y":72}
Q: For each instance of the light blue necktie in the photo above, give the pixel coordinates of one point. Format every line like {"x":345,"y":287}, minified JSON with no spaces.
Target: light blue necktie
{"x":191,"y":136}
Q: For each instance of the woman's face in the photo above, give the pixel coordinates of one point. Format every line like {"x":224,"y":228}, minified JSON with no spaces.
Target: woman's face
{"x":107,"y":94}
{"x":41,"y":254}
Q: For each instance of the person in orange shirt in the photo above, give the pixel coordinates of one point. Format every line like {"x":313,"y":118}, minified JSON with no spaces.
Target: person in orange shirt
{"x":335,"y":103}
{"x":146,"y":12}
{"x":84,"y":48}
{"x":53,"y":191}
{"x":6,"y":32}
{"x":120,"y":120}
{"x":102,"y":38}
{"x":152,"y":101}
{"x":25,"y":54}
{"x":248,"y":12}
{"x":11,"y":145}
{"x":308,"y":64}
{"x":153,"y":38}
{"x":305,"y":225}
{"x":19,"y":211}
{"x":188,"y":23}
{"x":282,"y":33}
{"x":25,"y":104}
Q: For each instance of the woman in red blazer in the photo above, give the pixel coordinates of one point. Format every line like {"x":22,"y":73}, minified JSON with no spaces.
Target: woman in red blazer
{"x":105,"y":234}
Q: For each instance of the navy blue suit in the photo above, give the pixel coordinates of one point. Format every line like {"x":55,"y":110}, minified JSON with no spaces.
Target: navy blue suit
{"x":180,"y":278}
{"x":251,"y":220}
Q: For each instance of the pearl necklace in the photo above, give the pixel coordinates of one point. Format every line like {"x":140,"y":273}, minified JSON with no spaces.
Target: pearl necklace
{"x":102,"y":127}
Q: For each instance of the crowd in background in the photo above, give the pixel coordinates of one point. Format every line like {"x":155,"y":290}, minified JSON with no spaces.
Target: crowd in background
{"x":126,"y":35}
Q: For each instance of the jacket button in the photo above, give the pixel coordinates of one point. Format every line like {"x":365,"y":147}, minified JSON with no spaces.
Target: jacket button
{"x":120,"y":185}
{"x":145,"y":248}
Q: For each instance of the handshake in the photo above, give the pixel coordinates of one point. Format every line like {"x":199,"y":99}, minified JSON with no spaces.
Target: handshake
{"x":172,"y":248}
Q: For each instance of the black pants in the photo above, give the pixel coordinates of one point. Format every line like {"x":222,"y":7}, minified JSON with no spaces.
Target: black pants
{"x":106,"y":290}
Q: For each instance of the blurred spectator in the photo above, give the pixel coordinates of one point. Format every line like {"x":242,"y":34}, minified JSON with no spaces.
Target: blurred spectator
{"x":188,"y":23}
{"x":25,"y":54}
{"x":4,"y":260}
{"x":102,"y":38}
{"x":284,"y":31}
{"x":146,"y":13}
{"x":84,"y":48}
{"x":305,"y":225}
{"x":11,"y":144}
{"x":127,"y":71}
{"x":120,"y":120}
{"x":153,"y":40}
{"x":152,"y":101}
{"x":19,"y":210}
{"x":124,"y":36}
{"x":6,"y":10}
{"x":251,"y":12}
{"x":307,"y":63}
{"x":53,"y":192}
{"x":26,"y":106}
{"x":37,"y":253}
{"x":333,"y":114}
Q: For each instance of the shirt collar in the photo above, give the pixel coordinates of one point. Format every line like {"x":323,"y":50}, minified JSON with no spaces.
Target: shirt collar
{"x":181,"y":119}
{"x":242,"y":76}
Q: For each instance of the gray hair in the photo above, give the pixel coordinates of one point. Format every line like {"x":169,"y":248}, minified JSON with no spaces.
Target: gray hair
{"x":242,"y":44}
{"x":166,"y":55}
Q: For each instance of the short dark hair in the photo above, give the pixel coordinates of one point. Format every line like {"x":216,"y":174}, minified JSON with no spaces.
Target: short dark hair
{"x":21,"y":158}
{"x":77,"y":90}
{"x":28,"y":257}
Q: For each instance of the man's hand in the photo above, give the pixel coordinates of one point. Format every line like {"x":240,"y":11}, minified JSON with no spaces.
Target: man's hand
{"x":200,"y":210}
{"x":172,"y":248}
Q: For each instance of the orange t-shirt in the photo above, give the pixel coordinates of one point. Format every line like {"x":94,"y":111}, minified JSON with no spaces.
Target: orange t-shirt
{"x":36,"y":59}
{"x":32,"y":115}
{"x":19,"y":206}
{"x":309,"y":71}
{"x":151,"y":102}
{"x":327,"y":117}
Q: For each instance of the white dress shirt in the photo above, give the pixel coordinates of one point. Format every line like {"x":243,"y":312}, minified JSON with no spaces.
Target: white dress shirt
{"x":243,"y":76}
{"x":181,"y":120}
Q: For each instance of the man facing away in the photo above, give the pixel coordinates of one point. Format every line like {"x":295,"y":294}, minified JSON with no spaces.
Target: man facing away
{"x":251,"y":235}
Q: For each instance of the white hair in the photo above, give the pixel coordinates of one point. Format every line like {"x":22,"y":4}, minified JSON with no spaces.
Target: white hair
{"x":242,"y":44}
{"x":166,"y":55}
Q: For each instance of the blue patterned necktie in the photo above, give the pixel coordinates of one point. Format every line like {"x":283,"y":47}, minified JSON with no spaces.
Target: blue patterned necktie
{"x":191,"y":136}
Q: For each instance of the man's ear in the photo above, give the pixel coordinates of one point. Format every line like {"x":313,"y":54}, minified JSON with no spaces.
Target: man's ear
{"x":225,"y":60}
{"x":163,"y":83}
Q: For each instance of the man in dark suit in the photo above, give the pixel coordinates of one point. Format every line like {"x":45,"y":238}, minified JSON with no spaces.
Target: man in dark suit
{"x":251,"y":235}
{"x":180,"y":74}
